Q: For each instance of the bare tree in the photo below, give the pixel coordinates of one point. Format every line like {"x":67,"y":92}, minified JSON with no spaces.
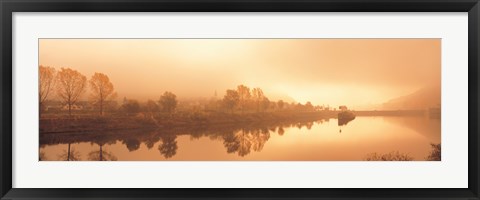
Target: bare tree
{"x":70,"y":86}
{"x":46,"y":83}
{"x":102,"y":90}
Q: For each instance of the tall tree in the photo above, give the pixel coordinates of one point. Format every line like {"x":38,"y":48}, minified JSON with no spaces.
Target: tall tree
{"x":102,"y":90}
{"x":46,"y":83}
{"x":70,"y":86}
{"x":169,"y":102}
{"x":231,"y":99}
{"x":258,"y":97}
{"x":244,"y":96}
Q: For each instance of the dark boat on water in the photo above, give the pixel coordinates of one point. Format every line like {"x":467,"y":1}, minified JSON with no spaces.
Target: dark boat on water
{"x":345,"y":116}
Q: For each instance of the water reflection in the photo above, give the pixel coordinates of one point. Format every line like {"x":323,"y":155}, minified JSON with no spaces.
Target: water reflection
{"x":169,"y":147}
{"x":131,"y":143}
{"x":280,"y":131}
{"x":304,"y":140}
{"x":70,"y":154}
{"x":244,"y":141}
{"x":42,"y":156}
{"x":101,"y":155}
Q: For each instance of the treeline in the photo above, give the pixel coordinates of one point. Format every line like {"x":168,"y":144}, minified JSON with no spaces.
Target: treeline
{"x":239,"y":101}
{"x":70,"y":85}
{"x":243,"y":99}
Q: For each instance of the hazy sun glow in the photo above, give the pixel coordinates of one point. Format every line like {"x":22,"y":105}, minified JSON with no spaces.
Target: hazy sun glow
{"x":219,"y":99}
{"x":355,"y":72}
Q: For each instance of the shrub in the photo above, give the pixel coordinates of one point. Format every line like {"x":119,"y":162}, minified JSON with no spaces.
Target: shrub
{"x":392,"y":156}
{"x":435,"y":153}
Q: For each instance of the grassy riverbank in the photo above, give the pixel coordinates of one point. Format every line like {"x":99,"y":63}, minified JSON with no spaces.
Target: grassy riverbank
{"x":86,"y":123}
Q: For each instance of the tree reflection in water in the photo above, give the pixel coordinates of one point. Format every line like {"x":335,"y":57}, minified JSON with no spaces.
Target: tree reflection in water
{"x":70,"y":154}
{"x":151,"y":140}
{"x":169,"y":147}
{"x":239,"y":139}
{"x":101,"y":154}
{"x":230,"y":142}
{"x":42,"y":156}
{"x":280,"y":131}
{"x":243,"y":141}
{"x":132,"y":144}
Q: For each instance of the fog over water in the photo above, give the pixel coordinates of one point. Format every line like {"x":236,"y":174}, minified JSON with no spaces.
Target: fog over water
{"x":355,"y":72}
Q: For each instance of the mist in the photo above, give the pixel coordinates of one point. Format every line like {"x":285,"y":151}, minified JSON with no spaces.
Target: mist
{"x":354,"y":72}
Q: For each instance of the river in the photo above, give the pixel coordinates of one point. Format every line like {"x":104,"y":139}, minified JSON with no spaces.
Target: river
{"x":320,"y":140}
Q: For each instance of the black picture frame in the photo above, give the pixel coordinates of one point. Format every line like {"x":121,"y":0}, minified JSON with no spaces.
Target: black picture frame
{"x":7,"y":7}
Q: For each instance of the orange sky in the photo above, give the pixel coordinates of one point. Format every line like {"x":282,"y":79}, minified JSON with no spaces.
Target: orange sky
{"x":354,"y":72}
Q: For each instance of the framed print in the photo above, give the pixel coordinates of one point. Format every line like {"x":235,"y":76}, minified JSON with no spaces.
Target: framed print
{"x":239,"y":99}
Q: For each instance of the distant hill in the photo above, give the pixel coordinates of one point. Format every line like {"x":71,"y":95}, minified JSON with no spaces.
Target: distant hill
{"x":279,"y":96}
{"x":421,"y":99}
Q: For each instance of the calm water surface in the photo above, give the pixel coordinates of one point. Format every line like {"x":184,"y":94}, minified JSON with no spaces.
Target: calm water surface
{"x":321,"y":140}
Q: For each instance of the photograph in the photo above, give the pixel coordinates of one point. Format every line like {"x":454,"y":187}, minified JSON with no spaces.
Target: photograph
{"x":239,"y":99}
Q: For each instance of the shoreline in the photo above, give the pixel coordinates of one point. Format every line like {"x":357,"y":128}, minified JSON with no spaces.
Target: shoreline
{"x":79,"y":124}
{"x":108,"y":123}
